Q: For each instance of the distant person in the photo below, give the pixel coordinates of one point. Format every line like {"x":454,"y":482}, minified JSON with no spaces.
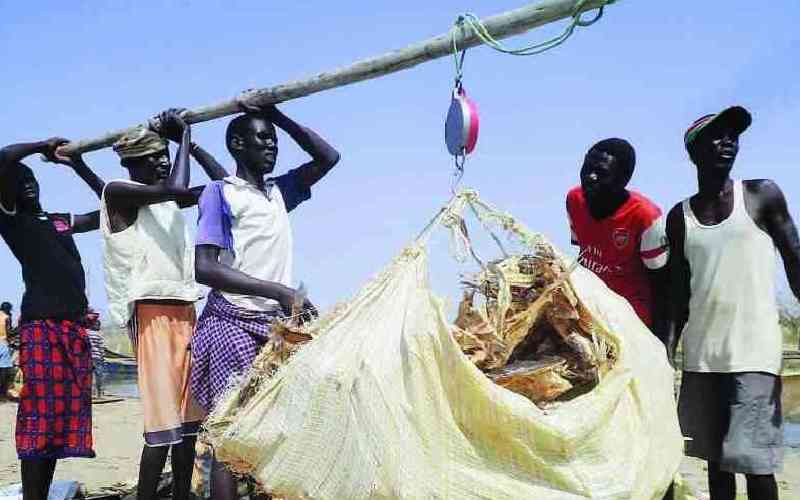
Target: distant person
{"x":6,"y":361}
{"x":619,"y":231}
{"x":98,"y":350}
{"x":723,"y":241}
{"x":244,"y":253}
{"x":54,"y":418}
{"x":149,"y":274}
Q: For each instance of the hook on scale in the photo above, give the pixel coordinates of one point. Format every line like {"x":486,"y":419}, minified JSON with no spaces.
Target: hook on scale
{"x":462,"y":123}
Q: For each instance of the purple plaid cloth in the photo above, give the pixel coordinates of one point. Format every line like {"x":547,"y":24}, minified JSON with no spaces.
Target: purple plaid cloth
{"x":225,"y":343}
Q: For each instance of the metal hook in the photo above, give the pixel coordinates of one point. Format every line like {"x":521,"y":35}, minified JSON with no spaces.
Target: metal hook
{"x":458,"y":174}
{"x":461,"y":64}
{"x":459,"y":60}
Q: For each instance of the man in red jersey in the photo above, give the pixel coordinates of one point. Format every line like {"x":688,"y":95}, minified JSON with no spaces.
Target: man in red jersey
{"x":620,"y":232}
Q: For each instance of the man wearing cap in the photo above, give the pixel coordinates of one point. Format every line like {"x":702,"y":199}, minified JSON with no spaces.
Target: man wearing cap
{"x":722,"y":264}
{"x":149,"y":273}
{"x":619,"y":231}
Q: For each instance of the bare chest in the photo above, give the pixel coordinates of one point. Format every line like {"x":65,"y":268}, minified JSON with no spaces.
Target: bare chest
{"x":710,"y":212}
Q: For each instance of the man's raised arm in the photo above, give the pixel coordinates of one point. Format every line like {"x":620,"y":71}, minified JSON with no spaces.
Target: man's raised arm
{"x":323,"y":156}
{"x":176,"y":186}
{"x":213,"y":169}
{"x":10,"y":157}
{"x":76,"y":163}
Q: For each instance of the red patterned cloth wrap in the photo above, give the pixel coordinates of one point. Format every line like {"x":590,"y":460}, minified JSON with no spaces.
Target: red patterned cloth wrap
{"x":54,"y":418}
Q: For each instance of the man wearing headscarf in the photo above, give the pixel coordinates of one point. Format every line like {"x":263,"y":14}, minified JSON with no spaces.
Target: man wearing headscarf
{"x":149,"y":273}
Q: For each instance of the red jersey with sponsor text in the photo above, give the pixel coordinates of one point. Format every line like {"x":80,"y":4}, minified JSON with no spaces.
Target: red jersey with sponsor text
{"x":621,"y":247}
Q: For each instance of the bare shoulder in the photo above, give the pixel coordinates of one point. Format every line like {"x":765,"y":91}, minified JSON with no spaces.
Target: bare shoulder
{"x":765,"y":189}
{"x":674,"y":223}
{"x":676,"y":212}
{"x":765,"y":203}
{"x":113,"y":188}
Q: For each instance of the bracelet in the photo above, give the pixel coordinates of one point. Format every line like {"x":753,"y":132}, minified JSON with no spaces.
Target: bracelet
{"x":193,"y":147}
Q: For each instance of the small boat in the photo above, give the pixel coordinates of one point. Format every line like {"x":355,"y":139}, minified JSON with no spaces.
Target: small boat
{"x":119,"y":366}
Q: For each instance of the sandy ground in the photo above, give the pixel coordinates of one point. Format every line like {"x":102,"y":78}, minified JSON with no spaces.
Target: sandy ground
{"x":118,"y":443}
{"x":694,"y":472}
{"x":118,"y":439}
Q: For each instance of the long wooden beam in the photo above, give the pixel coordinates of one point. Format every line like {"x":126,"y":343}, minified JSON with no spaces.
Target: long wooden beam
{"x":500,"y":26}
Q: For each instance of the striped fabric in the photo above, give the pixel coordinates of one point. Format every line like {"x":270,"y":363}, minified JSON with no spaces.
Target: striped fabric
{"x":97,"y":342}
{"x":654,"y":249}
{"x":696,"y":127}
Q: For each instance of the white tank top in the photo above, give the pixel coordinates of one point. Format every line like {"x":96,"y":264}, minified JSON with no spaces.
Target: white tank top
{"x":151,"y":259}
{"x":733,"y":314}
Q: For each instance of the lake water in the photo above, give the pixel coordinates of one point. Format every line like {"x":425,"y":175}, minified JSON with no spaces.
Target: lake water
{"x":791,"y":434}
{"x":123,"y":388}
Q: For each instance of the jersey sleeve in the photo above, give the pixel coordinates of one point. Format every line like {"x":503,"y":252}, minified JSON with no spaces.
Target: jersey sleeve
{"x":571,"y":202}
{"x":292,"y":190}
{"x":572,"y":236}
{"x":214,"y":218}
{"x":654,"y":248}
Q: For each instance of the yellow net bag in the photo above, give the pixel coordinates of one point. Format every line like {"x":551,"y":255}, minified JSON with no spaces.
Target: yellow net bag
{"x":387,"y":399}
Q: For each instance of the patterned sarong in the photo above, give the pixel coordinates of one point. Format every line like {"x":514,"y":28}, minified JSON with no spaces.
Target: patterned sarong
{"x":54,"y":418}
{"x":225,"y":344}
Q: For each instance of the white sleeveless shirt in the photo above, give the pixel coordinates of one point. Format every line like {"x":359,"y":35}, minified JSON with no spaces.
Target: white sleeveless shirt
{"x":151,"y":259}
{"x":733,"y":314}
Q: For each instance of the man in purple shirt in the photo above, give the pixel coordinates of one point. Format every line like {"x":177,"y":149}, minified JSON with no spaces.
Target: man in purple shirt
{"x":244,"y":253}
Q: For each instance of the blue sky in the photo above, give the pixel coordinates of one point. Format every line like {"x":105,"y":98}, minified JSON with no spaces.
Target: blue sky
{"x":644,"y":72}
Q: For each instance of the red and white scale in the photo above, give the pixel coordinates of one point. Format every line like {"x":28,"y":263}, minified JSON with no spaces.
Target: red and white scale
{"x":461,"y":127}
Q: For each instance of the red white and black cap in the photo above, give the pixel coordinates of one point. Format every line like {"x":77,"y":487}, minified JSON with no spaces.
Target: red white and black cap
{"x":736,"y":116}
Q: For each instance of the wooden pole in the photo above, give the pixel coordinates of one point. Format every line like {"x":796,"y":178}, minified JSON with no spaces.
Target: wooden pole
{"x":500,"y":26}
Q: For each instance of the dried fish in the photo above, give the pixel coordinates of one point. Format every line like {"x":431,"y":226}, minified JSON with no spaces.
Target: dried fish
{"x":534,"y":336}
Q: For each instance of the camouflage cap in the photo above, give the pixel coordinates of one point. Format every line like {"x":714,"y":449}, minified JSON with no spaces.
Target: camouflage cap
{"x":139,"y":142}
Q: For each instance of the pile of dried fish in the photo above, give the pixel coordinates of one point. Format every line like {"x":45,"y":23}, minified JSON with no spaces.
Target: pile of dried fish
{"x":286,"y":338}
{"x":531,"y":333}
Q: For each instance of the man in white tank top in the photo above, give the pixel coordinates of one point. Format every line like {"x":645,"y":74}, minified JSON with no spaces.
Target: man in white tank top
{"x":722,"y":266}
{"x":149,"y":272}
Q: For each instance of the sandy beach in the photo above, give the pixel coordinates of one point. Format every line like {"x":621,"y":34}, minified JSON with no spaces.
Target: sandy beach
{"x":117,"y":428}
{"x":118,"y":441}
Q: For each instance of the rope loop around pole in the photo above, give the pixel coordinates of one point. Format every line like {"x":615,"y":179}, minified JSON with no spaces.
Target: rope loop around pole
{"x":471,"y":21}
{"x":580,"y":22}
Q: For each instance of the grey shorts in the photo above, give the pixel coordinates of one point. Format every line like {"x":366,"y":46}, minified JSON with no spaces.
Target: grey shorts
{"x":733,"y":419}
